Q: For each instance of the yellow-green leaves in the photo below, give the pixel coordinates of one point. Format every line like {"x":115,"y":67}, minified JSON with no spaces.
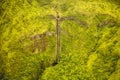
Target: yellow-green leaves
{"x":87,"y":53}
{"x":91,"y":60}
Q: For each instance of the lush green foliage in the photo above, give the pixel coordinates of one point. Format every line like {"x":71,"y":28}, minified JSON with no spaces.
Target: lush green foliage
{"x":90,"y":49}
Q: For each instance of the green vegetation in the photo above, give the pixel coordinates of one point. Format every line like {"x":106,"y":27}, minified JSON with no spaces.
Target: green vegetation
{"x":90,"y":40}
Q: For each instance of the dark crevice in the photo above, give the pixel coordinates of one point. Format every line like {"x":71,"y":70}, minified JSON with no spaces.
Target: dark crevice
{"x":43,"y":68}
{"x":54,"y":63}
{"x":1,"y":76}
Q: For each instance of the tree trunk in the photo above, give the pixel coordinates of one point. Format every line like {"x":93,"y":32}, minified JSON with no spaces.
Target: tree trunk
{"x":58,"y":37}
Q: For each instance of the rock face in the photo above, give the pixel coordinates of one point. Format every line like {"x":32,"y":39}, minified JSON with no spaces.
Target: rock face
{"x":40,"y":42}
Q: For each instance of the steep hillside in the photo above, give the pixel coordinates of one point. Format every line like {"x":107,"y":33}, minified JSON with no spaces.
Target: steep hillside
{"x":89,"y":39}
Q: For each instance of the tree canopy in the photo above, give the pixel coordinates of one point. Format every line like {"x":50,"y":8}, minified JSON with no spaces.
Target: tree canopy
{"x":89,"y":39}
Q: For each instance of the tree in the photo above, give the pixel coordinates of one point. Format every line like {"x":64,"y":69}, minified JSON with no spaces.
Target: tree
{"x":58,"y":20}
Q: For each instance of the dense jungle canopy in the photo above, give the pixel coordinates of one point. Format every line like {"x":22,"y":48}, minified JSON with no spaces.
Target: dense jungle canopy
{"x":89,"y":39}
